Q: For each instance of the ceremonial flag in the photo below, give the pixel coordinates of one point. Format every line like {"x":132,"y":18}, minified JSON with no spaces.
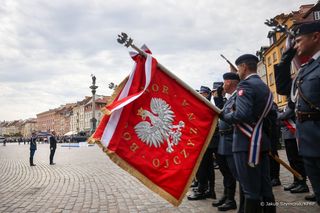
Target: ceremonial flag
{"x":157,"y":128}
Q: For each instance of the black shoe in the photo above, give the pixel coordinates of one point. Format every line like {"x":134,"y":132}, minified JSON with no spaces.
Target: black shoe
{"x":215,"y":165}
{"x":291,"y":186}
{"x":197,"y":196}
{"x":228,"y":205}
{"x":52,"y":164}
{"x":194,"y":184}
{"x":301,"y":188}
{"x":31,"y":162}
{"x":210,"y":194}
{"x":195,"y":189}
{"x":219,"y":202}
{"x":311,"y":197}
{"x":276,"y":182}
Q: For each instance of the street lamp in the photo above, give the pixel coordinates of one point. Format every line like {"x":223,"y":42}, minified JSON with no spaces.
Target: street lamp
{"x":93,"y":88}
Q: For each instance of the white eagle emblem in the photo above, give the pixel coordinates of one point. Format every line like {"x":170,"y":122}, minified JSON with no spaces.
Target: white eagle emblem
{"x":160,"y":127}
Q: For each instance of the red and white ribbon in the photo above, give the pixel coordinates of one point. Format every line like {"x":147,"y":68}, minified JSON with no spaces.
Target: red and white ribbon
{"x":116,"y":107}
{"x":290,"y":124}
{"x":255,"y":134}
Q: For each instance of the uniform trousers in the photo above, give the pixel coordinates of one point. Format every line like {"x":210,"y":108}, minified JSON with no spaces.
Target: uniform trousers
{"x":52,"y":151}
{"x":32,"y":151}
{"x":205,"y":171}
{"x":229,"y":180}
{"x":255,"y":181}
{"x":295,"y":160}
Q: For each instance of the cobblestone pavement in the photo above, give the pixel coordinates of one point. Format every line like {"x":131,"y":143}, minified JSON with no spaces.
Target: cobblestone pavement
{"x":85,"y":180}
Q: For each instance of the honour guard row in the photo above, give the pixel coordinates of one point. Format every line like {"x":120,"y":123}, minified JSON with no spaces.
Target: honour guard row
{"x":244,"y":145}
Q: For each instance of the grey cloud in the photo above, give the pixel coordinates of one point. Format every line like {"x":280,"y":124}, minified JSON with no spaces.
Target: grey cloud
{"x":50,"y":48}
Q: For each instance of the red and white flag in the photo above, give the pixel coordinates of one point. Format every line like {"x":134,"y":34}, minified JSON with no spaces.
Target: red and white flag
{"x":157,"y":128}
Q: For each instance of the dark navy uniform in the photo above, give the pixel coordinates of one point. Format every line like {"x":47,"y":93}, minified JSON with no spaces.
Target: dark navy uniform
{"x":33,"y":148}
{"x":272,"y":127}
{"x":305,"y":92}
{"x":251,"y":100}
{"x":295,"y":160}
{"x":53,"y":146}
{"x":225,"y":155}
{"x":226,"y":160}
{"x":205,"y":174}
{"x":225,"y":148}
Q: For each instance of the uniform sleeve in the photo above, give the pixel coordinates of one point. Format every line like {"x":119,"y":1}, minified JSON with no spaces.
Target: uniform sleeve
{"x":282,"y":72}
{"x":289,"y":113}
{"x":219,"y":102}
{"x":243,"y":106}
{"x":50,"y":140}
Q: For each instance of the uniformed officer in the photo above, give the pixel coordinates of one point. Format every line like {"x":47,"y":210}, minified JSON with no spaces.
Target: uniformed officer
{"x":53,"y":146}
{"x":274,"y":135}
{"x":253,"y":102}
{"x":33,"y":148}
{"x":305,"y":92}
{"x":205,"y":174}
{"x":287,"y":119}
{"x":225,"y":156}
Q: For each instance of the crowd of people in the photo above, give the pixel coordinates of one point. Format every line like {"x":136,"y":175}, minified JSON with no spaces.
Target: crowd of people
{"x":245,"y":141}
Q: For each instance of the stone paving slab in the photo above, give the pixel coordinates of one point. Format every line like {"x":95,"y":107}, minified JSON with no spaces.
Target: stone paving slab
{"x":85,"y":180}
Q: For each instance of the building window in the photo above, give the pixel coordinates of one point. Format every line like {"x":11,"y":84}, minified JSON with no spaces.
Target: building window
{"x":316,"y":15}
{"x":274,"y":55}
{"x":281,"y":50}
{"x":272,"y":38}
{"x":269,"y":61}
{"x":271,"y":79}
{"x":262,"y":70}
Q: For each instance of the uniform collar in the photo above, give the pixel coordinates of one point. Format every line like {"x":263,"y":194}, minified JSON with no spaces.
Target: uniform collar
{"x":316,"y":56}
{"x":234,"y":92}
{"x":253,"y":74}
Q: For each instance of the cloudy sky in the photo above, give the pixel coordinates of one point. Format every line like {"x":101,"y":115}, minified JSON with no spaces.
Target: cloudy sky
{"x":49,"y":49}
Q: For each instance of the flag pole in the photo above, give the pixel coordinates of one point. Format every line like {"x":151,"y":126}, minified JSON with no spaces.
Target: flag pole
{"x":290,"y":169}
{"x":232,"y":67}
{"x":128,"y":42}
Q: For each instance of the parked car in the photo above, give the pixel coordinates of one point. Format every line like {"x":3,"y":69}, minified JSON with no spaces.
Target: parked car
{"x":2,"y":139}
{"x":78,"y":138}
{"x":75,"y":138}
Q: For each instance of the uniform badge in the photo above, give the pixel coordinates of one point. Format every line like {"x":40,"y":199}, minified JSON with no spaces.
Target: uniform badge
{"x":240,"y":92}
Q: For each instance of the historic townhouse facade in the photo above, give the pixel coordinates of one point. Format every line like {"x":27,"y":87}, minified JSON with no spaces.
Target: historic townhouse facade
{"x":62,"y":119}
{"x":272,"y":54}
{"x":28,"y":126}
{"x":77,"y":121}
{"x":45,"y":120}
{"x":100,"y":102}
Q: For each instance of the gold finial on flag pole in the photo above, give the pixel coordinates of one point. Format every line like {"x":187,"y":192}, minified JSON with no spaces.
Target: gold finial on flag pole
{"x":128,"y":42}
